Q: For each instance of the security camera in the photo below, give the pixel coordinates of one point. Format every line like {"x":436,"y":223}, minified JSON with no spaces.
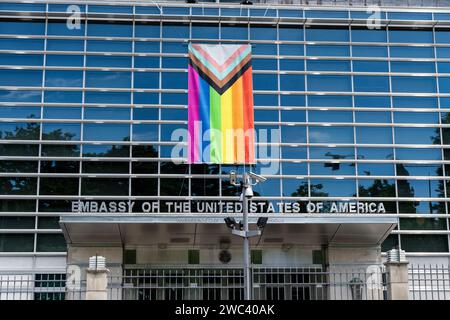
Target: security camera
{"x":248,"y":193}
{"x":257,"y":177}
{"x":233,"y":178}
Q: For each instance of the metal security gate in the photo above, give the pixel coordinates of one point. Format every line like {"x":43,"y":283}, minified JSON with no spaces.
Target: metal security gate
{"x":215,"y":283}
{"x":181,"y":284}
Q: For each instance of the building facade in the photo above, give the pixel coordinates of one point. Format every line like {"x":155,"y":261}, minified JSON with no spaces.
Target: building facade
{"x":352,"y":113}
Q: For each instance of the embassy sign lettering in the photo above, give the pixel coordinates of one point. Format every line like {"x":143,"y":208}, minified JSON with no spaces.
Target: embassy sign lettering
{"x":207,"y":206}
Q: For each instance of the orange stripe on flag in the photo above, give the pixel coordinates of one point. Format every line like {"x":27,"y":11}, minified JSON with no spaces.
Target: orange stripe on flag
{"x":248,"y":116}
{"x":238,"y":121}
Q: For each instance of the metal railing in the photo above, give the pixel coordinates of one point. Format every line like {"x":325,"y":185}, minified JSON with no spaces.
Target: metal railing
{"x":426,"y":282}
{"x":429,"y":282}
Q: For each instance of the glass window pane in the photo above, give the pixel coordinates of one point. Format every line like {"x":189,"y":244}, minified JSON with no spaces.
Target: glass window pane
{"x":28,"y":78}
{"x":417,"y":136}
{"x":378,"y":135}
{"x":50,"y":243}
{"x":316,"y":34}
{"x":329,"y":83}
{"x":104,"y":186}
{"x":424,"y":243}
{"x":16,"y":242}
{"x":331,"y":135}
{"x":376,"y":188}
{"x":106,"y":132}
{"x":19,"y":131}
{"x":332,"y":188}
{"x":417,"y":154}
{"x":108,"y":79}
{"x":293,"y":134}
{"x":61,"y":131}
{"x":58,"y":78}
{"x":58,"y":186}
{"x":330,"y":116}
{"x":414,"y":84}
{"x":107,"y":113}
{"x":145,"y":132}
{"x":375,"y":169}
{"x":62,"y":113}
{"x":332,"y":168}
{"x":371,"y":83}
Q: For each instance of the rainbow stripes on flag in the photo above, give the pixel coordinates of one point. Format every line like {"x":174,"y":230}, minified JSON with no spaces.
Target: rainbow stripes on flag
{"x":220,"y":104}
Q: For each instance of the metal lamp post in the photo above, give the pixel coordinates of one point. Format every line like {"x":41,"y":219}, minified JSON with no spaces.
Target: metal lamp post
{"x":243,"y":231}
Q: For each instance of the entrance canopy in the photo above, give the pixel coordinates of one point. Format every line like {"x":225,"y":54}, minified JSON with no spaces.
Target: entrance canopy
{"x":202,"y":229}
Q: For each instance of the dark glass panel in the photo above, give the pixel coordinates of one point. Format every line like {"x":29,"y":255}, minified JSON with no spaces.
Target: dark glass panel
{"x":72,"y":150}
{"x":16,"y":222}
{"x":423,"y":224}
{"x":390,"y":242}
{"x":18,"y":166}
{"x":18,"y":186}
{"x":144,"y":187}
{"x":172,"y":168}
{"x":19,"y":205}
{"x":46,"y":205}
{"x":424,"y":243}
{"x":16,"y":242}
{"x":145,"y":151}
{"x":105,"y":167}
{"x":60,"y":167}
{"x":329,"y":83}
{"x":290,"y":116}
{"x":205,"y":169}
{"x":205,"y":187}
{"x":174,"y":187}
{"x":50,"y":243}
{"x":106,"y":151}
{"x":58,"y":186}
{"x":48,"y":223}
{"x":421,"y":207}
{"x":20,"y":112}
{"x":61,"y":131}
{"x":376,"y":188}
{"x":104,"y":186}
{"x":144,"y":167}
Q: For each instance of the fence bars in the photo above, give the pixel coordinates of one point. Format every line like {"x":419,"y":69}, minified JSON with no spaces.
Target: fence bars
{"x":429,"y":282}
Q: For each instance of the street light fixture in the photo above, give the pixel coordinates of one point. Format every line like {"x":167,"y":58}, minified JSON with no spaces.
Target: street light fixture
{"x":241,"y":229}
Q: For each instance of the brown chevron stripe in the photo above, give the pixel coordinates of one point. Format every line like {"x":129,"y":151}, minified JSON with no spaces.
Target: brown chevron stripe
{"x":206,"y":71}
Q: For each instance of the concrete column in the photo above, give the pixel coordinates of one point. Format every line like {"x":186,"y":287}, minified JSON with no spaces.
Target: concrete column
{"x":397,"y":280}
{"x":354,"y":272}
{"x":96,"y":284}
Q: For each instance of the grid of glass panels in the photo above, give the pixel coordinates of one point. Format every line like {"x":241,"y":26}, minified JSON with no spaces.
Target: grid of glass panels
{"x":361,"y":115}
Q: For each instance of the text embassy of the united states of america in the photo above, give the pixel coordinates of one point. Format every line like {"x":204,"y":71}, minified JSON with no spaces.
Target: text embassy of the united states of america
{"x":207,"y":206}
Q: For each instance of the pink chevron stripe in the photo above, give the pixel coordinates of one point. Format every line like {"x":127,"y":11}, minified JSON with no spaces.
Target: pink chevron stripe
{"x":211,"y":60}
{"x":193,"y":116}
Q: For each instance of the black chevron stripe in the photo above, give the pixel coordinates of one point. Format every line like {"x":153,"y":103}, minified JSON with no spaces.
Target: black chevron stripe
{"x":221,"y":90}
